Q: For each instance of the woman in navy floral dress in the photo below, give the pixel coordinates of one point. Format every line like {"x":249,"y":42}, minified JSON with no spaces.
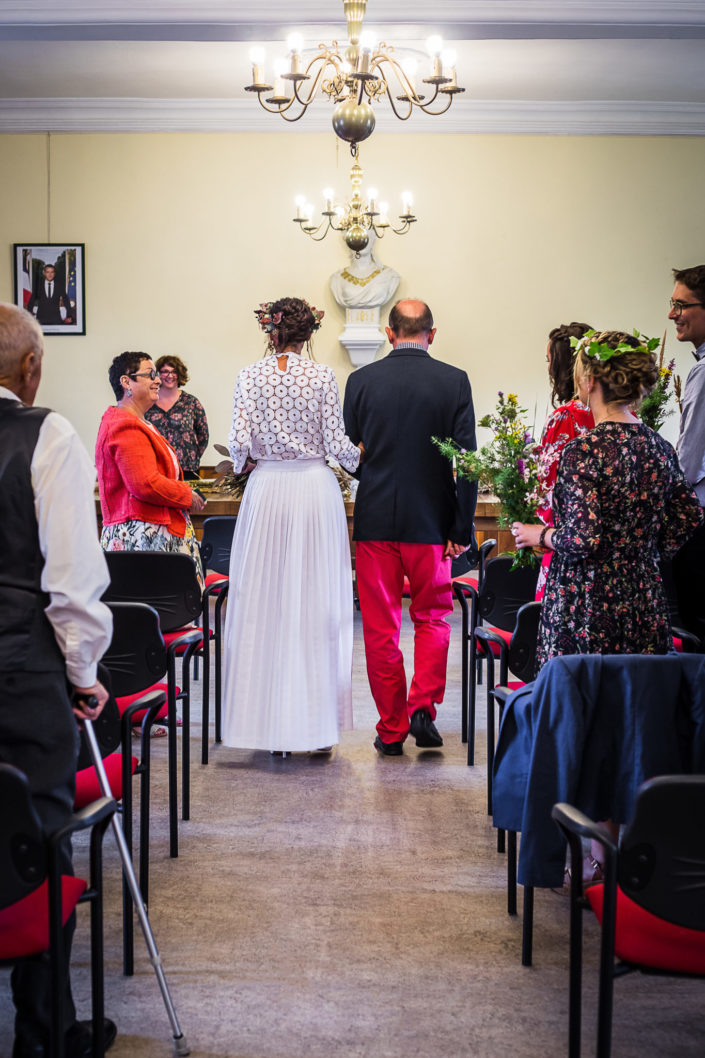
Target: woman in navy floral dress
{"x":620,"y":500}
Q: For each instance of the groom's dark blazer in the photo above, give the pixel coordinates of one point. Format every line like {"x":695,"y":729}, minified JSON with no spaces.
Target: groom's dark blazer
{"x":407,"y":492}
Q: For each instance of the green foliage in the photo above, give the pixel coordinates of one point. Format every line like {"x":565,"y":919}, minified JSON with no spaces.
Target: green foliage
{"x":506,"y":465}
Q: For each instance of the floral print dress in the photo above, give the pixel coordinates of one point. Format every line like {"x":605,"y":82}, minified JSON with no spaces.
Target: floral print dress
{"x":185,"y":427}
{"x":619,"y":502}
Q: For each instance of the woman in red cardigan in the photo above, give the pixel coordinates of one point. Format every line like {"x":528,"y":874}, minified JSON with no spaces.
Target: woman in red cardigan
{"x":143,"y":496}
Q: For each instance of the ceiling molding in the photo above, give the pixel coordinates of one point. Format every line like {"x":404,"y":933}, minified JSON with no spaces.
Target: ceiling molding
{"x":278,"y":12}
{"x":507,"y":117}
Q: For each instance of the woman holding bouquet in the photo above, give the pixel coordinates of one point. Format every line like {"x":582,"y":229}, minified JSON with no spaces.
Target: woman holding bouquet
{"x":619,"y":501}
{"x":570,"y":418}
{"x":288,"y":630}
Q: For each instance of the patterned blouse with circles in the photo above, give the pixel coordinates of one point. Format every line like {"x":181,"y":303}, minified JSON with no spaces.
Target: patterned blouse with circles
{"x":291,"y":414}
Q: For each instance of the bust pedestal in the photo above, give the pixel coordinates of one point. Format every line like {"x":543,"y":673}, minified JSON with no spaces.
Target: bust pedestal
{"x":362,"y":336}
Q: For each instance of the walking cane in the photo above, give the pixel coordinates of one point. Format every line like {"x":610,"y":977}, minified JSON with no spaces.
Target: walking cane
{"x":181,"y":1046}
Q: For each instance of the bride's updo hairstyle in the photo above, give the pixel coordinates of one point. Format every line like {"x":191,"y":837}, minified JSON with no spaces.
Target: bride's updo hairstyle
{"x":288,"y":321}
{"x":626,"y":375}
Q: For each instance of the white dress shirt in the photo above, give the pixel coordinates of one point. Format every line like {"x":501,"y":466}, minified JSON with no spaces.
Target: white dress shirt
{"x":75,"y":572}
{"x":691,"y":442}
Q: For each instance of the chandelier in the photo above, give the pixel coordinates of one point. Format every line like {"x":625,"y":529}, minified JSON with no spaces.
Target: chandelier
{"x":356,"y":218}
{"x":364,"y":73}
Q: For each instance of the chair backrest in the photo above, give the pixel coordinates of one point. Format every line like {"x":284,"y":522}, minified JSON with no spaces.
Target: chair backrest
{"x":166,"y":581}
{"x":661,"y":859}
{"x":524,"y":641}
{"x":136,"y":657}
{"x":216,"y":542}
{"x":504,"y":591}
{"x":106,"y":728}
{"x":23,"y":852}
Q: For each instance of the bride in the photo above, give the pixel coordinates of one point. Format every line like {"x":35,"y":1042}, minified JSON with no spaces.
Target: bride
{"x":288,"y":628}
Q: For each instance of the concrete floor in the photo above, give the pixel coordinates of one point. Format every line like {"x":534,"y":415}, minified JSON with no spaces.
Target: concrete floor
{"x":354,"y":906}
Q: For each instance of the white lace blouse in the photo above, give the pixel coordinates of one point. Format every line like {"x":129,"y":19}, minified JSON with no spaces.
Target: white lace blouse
{"x":291,"y":414}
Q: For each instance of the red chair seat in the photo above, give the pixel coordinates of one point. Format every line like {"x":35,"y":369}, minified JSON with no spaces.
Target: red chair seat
{"x":127,"y":699}
{"x":87,"y":786}
{"x":495,"y":647}
{"x":169,"y":637}
{"x":644,"y":939}
{"x":24,"y":926}
{"x":216,"y":578}
{"x":470,"y":579}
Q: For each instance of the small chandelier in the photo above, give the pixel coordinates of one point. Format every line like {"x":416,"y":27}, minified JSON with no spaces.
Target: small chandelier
{"x":365,"y":73}
{"x":356,"y":218}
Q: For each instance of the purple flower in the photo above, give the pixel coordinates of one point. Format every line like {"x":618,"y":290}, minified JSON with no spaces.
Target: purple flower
{"x":521,"y":467}
{"x":500,"y":394}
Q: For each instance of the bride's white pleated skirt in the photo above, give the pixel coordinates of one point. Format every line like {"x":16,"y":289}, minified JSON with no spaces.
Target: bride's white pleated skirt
{"x":289,"y":621}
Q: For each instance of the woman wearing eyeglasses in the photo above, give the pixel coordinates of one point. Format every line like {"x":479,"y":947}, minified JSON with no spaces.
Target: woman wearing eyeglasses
{"x":144,"y":499}
{"x":179,"y":416}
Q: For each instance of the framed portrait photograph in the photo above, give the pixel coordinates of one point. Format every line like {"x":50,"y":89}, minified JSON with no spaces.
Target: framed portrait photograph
{"x":50,"y":283}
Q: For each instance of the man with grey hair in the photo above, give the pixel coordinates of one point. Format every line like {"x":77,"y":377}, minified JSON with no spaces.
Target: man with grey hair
{"x":688,"y":314}
{"x":53,"y":630}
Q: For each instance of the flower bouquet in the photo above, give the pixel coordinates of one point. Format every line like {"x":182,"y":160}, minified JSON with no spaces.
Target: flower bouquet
{"x":226,"y":480}
{"x":506,"y":464}
{"x":653,"y":410}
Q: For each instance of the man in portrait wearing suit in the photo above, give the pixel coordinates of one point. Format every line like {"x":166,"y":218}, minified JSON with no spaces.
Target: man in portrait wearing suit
{"x":49,"y":298}
{"x":411,"y":518}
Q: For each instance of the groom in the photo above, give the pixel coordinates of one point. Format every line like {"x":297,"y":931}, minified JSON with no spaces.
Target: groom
{"x":411,"y":518}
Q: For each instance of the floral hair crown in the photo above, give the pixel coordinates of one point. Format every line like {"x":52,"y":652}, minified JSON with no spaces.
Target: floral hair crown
{"x":269,"y":321}
{"x":597,"y":350}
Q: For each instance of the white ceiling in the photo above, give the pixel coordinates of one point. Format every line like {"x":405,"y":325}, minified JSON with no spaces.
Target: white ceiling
{"x":555,"y":66}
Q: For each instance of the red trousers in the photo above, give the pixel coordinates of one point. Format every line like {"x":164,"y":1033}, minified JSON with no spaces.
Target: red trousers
{"x":380,"y":568}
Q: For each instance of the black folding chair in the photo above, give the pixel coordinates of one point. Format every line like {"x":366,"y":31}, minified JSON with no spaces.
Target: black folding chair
{"x":168,"y":582}
{"x":136,"y":661}
{"x":495,"y":604}
{"x":216,"y":544}
{"x":651,"y":904}
{"x":33,"y":894}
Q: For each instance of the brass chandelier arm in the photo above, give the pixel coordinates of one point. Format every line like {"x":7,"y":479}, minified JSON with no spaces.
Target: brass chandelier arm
{"x":434,"y":113}
{"x":323,"y":62}
{"x":312,"y":231}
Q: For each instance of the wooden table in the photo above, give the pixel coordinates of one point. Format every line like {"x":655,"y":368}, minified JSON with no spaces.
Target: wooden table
{"x":486,"y":514}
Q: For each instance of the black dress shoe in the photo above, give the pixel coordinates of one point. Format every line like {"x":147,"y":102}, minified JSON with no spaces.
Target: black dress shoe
{"x":389,"y":749}
{"x":79,"y":1041}
{"x":79,"y":1038}
{"x":424,"y":730}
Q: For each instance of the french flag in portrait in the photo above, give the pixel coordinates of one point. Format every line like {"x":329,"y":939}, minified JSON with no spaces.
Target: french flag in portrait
{"x":26,"y":276}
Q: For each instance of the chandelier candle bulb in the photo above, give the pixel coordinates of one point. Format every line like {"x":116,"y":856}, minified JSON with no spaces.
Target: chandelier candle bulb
{"x":329,"y":195}
{"x":257,"y":60}
{"x":279,"y":71}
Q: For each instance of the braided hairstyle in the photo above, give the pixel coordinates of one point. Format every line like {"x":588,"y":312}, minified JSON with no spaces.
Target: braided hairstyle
{"x":560,"y":368}
{"x":625,"y":379}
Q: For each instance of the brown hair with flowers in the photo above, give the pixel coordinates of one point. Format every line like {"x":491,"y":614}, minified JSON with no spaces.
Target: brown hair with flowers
{"x":288,"y":320}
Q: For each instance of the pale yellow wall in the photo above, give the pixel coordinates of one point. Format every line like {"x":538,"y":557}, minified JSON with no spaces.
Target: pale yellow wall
{"x":185,"y":234}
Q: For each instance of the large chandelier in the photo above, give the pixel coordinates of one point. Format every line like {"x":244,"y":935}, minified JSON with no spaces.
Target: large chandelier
{"x":365,"y":73}
{"x":356,"y":218}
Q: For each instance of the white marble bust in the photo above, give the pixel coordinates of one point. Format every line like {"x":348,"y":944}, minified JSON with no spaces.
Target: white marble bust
{"x":365,"y":282}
